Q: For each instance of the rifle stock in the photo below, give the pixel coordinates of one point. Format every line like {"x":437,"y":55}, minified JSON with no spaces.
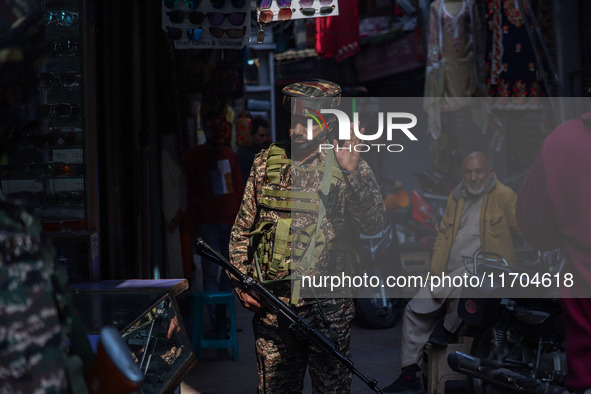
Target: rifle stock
{"x":270,"y":300}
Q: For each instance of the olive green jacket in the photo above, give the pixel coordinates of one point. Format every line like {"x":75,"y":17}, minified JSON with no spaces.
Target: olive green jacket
{"x":497,"y":222}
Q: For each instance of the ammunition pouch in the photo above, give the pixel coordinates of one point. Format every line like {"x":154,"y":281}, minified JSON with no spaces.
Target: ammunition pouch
{"x":281,"y":251}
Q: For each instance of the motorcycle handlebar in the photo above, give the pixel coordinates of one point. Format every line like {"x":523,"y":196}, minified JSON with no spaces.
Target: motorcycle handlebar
{"x":487,"y":259}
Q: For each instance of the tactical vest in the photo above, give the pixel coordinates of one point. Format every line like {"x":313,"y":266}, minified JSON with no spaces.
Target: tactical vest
{"x":282,"y":251}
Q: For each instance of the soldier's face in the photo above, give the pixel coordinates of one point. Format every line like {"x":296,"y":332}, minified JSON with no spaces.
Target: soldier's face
{"x":299,"y":131}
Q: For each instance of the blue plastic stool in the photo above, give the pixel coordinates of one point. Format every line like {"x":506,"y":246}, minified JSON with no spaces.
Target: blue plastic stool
{"x":198,"y":340}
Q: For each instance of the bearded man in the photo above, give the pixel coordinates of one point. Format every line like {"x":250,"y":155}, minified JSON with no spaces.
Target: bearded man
{"x":480,"y":214}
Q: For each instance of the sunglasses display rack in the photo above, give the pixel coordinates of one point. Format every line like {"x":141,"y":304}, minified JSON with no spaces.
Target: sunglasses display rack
{"x":47,"y":169}
{"x":207,"y":24}
{"x":283,"y":10}
{"x":60,"y":138}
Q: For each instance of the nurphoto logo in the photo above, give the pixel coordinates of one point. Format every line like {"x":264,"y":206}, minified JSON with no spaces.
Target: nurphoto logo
{"x":394,"y":122}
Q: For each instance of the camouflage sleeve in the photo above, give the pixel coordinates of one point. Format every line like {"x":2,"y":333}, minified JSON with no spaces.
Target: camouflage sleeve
{"x":247,"y":214}
{"x":364,"y":201}
{"x":32,"y":337}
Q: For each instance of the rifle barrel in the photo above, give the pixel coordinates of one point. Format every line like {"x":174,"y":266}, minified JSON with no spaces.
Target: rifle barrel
{"x":268,"y":298}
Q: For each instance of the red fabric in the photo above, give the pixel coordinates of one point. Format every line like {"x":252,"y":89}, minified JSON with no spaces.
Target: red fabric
{"x":338,"y":36}
{"x":421,"y":210}
{"x":553,"y":210}
{"x":243,"y":128}
{"x":214,"y":192}
{"x":577,"y":329}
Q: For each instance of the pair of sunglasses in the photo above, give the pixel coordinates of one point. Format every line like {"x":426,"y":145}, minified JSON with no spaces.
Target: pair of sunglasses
{"x":194,"y":4}
{"x":322,"y":11}
{"x":39,"y":170}
{"x":309,"y":3}
{"x":39,"y":140}
{"x":66,"y":79}
{"x":74,"y":198}
{"x":193,"y":34}
{"x":28,"y":171}
{"x":215,"y":18}
{"x":62,"y":18}
{"x":217,"y":4}
{"x":178,"y":16}
{"x":66,"y":48}
{"x":191,"y":4}
{"x":218,"y":32}
{"x":34,"y":199}
{"x":60,"y":169}
{"x":266,"y":4}
{"x":61,"y":110}
{"x":266,"y":15}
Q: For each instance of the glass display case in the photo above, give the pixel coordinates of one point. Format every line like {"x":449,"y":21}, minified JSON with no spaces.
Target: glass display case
{"x":146,"y":314}
{"x":50,"y":168}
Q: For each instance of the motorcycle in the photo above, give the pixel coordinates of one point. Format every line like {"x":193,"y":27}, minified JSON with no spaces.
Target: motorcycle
{"x":410,"y":231}
{"x":518,"y":344}
{"x":374,"y":306}
{"x":419,"y":224}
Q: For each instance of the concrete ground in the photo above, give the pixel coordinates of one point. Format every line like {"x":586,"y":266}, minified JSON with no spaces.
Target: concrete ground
{"x":375,"y":354}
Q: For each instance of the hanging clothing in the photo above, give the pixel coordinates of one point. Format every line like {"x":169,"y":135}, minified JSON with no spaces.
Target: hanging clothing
{"x":452,"y":70}
{"x":338,"y":36}
{"x":511,"y":67}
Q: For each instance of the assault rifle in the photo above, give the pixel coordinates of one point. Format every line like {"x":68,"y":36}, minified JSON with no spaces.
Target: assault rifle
{"x":298,"y":324}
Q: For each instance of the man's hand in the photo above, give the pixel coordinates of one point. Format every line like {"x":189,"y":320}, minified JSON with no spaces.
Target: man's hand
{"x":248,"y":301}
{"x":348,"y":160}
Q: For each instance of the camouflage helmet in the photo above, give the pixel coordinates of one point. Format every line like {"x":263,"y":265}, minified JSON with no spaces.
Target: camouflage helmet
{"x":312,"y":93}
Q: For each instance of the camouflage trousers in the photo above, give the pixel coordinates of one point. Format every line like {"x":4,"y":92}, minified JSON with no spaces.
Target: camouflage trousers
{"x":282,"y":356}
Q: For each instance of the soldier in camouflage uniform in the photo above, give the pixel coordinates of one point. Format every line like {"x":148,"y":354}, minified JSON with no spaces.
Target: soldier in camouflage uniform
{"x":32,"y":340}
{"x":275,"y":229}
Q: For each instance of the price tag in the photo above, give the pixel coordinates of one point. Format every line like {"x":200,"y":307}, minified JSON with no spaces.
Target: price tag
{"x":21,"y":185}
{"x":71,"y":155}
{"x":66,"y":185}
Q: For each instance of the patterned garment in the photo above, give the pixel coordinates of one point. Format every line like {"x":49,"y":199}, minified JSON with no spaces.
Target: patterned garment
{"x":454,"y":48}
{"x":32,"y":341}
{"x":511,"y":67}
{"x":453,"y":70}
{"x":353,"y":204}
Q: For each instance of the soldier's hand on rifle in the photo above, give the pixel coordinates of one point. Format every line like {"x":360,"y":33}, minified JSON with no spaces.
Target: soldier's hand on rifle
{"x":248,"y":301}
{"x":348,"y":160}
